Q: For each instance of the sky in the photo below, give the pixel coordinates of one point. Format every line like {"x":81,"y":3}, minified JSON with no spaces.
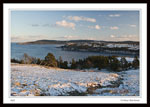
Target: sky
{"x":74,"y":25}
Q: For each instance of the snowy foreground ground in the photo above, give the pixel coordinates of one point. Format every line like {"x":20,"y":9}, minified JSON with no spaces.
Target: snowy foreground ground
{"x":34,"y":80}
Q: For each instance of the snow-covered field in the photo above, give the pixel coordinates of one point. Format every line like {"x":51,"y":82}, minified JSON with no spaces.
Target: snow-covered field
{"x":34,"y":80}
{"x":128,"y":87}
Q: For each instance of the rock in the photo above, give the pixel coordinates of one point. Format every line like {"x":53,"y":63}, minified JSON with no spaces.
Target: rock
{"x":17,"y":83}
{"x":24,"y":84}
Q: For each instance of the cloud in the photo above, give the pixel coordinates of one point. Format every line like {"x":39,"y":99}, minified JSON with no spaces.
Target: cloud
{"x":112,"y":36}
{"x":64,"y":23}
{"x":81,"y":18}
{"x":129,"y":37}
{"x":90,"y":38}
{"x":35,"y":25}
{"x":40,"y":25}
{"x":114,"y":28}
{"x":75,"y":37}
{"x":114,"y":15}
{"x":70,"y":37}
{"x":132,"y":25}
{"x":95,"y":27}
{"x":25,"y":38}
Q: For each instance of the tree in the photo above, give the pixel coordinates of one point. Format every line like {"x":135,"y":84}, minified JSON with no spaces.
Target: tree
{"x":114,"y":64}
{"x":60,"y":62}
{"x":33,"y":60}
{"x":50,"y":60}
{"x":135,"y":63}
{"x":26,"y":59}
{"x":129,"y":65}
{"x":80,"y":64}
{"x":73,"y":64}
{"x":38,"y":61}
{"x":65,"y":65}
{"x":105,"y":62}
{"x":87,"y":64}
{"x":124,"y":63}
{"x":15,"y":60}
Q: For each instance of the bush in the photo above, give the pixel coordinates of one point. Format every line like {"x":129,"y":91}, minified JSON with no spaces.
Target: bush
{"x":15,"y":60}
{"x":73,"y":64}
{"x":64,"y":65}
{"x":26,"y":59}
{"x":60,"y":62}
{"x":114,"y":64}
{"x":38,"y":61}
{"x":135,"y":63}
{"x":50,"y":60}
{"x":123,"y":63}
{"x":101,"y":62}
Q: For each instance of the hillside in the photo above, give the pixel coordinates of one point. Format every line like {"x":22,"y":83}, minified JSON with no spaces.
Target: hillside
{"x":29,"y":80}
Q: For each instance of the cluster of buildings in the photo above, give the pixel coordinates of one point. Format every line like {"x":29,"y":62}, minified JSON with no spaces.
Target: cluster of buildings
{"x":105,"y":45}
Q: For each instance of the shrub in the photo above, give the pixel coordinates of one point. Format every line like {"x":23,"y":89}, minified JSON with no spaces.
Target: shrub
{"x":114,"y":64}
{"x":38,"y":61}
{"x":26,"y":59}
{"x":15,"y":60}
{"x":135,"y":63}
{"x":73,"y":64}
{"x":60,"y":62}
{"x":123,"y":63}
{"x":65,"y":65}
{"x":50,"y":60}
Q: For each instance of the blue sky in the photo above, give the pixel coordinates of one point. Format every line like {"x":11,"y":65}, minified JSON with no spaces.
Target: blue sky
{"x":74,"y":25}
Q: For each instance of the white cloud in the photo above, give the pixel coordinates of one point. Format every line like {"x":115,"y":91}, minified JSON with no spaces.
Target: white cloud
{"x":64,"y":23}
{"x":91,"y":38}
{"x":25,"y":38}
{"x":75,"y":37}
{"x":81,"y":18}
{"x":114,"y":15}
{"x":75,"y":18}
{"x":67,"y":37}
{"x":132,"y":25}
{"x":70,"y":37}
{"x":129,"y":37}
{"x":112,"y":36}
{"x":97,"y":27}
{"x":114,"y":28}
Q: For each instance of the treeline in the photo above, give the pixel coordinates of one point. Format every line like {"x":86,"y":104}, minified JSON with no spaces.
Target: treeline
{"x":110,"y":63}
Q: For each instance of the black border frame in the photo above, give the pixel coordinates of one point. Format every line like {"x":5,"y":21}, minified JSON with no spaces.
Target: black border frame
{"x":77,"y":1}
